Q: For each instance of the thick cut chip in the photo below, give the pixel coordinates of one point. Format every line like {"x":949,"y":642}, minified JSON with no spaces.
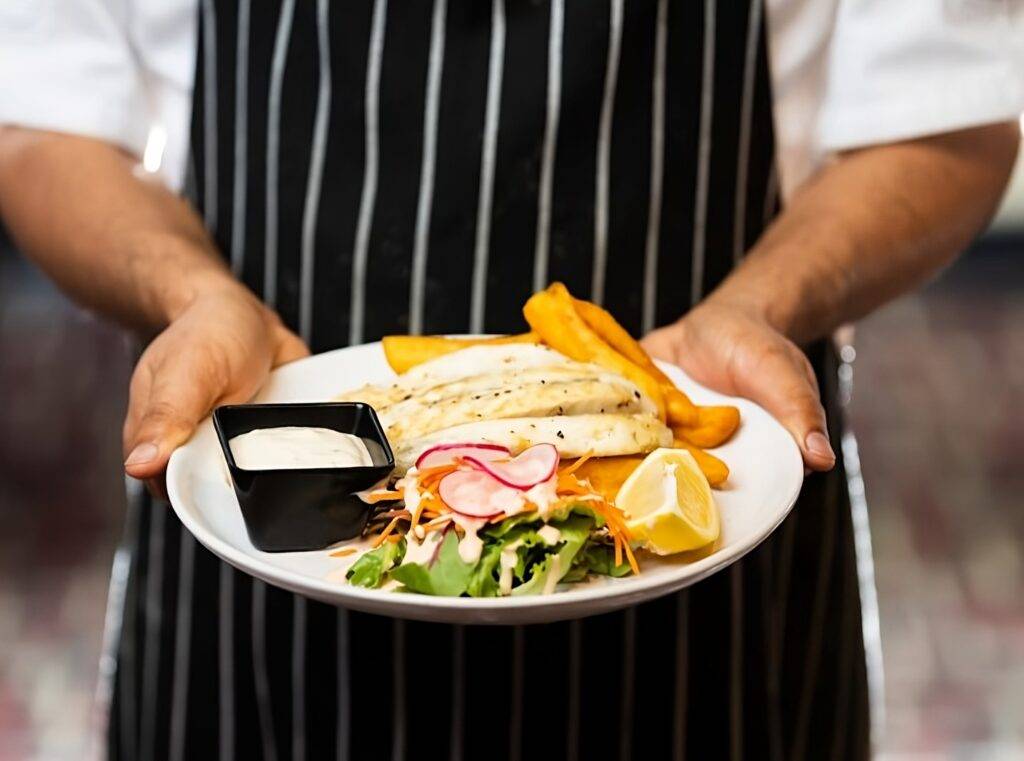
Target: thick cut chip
{"x":406,"y":352}
{"x":552,"y":315}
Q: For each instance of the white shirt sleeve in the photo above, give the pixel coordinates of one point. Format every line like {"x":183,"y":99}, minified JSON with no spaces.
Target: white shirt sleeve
{"x":899,"y":69}
{"x":69,"y":67}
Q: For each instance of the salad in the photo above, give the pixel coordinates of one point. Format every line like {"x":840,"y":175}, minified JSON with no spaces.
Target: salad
{"x":471,"y":519}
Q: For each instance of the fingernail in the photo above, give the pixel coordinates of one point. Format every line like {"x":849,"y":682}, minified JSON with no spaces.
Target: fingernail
{"x":817,"y":443}
{"x":142,"y":454}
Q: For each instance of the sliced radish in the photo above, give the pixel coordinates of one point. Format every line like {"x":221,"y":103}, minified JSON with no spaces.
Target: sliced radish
{"x":530,"y":467}
{"x":444,"y":454}
{"x":476,"y":494}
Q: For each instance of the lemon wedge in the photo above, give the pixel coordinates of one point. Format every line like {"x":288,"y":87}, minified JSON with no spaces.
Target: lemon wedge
{"x":668,"y":503}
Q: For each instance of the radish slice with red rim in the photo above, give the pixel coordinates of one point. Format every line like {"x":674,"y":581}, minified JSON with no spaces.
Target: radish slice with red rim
{"x":530,"y":467}
{"x":476,"y":494}
{"x":445,"y":454}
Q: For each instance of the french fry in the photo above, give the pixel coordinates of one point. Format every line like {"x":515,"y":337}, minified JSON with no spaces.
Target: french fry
{"x":553,"y":316}
{"x":713,"y":469}
{"x":679,"y":409}
{"x":607,"y":474}
{"x":714,"y":426}
{"x":405,"y":352}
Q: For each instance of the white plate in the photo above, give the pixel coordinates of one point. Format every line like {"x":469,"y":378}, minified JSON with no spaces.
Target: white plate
{"x":766,"y":475}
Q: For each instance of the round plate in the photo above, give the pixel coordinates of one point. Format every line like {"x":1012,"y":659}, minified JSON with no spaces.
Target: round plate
{"x":766,"y":475}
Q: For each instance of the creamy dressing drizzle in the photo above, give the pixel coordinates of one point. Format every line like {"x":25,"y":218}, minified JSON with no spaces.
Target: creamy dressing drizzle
{"x":471,"y":545}
{"x":543,"y":495}
{"x":556,"y":573}
{"x":293,"y":447}
{"x":507,"y":561}
{"x":549,"y":534}
{"x":420,"y":552}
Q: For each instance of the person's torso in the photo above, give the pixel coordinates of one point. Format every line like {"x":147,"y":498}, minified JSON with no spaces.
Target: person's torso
{"x":379,"y":167}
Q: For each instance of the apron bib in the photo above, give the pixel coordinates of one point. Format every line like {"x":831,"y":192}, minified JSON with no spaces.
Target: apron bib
{"x":378,"y":167}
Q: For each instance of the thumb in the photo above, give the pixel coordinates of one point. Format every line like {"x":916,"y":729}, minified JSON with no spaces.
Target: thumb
{"x":164,"y":408}
{"x":783,"y":383}
{"x":289,"y":346}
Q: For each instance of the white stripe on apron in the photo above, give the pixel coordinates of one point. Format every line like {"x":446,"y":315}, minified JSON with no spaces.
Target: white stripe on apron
{"x":259,"y":666}
{"x":311,"y":208}
{"x":210,"y":115}
{"x":281,"y":40}
{"x":357,"y":316}
{"x":657,"y":170}
{"x":154,"y":622}
{"x":182,"y":647}
{"x":425,"y":205}
{"x":739,"y":223}
{"x":495,"y":68}
{"x":547,"y":169}
{"x":226,"y":663}
{"x":707,"y":104}
{"x":240,"y":189}
{"x":604,"y":148}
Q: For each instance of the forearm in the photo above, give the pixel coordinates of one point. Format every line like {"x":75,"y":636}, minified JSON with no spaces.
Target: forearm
{"x":114,"y":240}
{"x":872,"y":225}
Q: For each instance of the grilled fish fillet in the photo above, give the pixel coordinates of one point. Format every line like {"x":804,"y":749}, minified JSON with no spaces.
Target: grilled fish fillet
{"x":475,"y":360}
{"x":603,"y":435}
{"x":539,"y":392}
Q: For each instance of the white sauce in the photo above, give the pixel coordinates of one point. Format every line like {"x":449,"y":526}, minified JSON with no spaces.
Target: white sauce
{"x":556,"y":573}
{"x":471,"y":545}
{"x":420,"y":552}
{"x":294,"y":447}
{"x":543,"y":495}
{"x":507,"y":561}
{"x":549,"y":534}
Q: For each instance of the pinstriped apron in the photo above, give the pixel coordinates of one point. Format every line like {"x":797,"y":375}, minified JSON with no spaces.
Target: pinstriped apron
{"x":379,"y":167}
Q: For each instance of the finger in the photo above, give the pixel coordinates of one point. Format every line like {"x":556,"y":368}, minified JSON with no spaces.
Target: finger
{"x":780,"y":384}
{"x":289,"y":346}
{"x":181,"y":393}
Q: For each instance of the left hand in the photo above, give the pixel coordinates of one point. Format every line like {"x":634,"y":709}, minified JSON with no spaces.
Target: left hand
{"x":738,"y":352}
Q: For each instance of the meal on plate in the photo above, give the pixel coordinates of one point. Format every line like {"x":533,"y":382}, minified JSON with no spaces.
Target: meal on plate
{"x":528,"y":461}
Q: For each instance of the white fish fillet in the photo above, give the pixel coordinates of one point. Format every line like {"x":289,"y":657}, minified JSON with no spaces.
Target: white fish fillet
{"x":604,"y":435}
{"x":539,"y":392}
{"x":473,"y":360}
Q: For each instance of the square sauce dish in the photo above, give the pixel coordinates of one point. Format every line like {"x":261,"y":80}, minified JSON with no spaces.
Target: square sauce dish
{"x":297,"y":470}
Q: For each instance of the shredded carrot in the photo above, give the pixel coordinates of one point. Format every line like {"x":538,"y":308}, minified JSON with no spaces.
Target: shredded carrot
{"x":387,"y":530}
{"x":395,"y":538}
{"x":343,"y":552}
{"x":579,"y":462}
{"x":618,"y":551}
{"x":569,"y":484}
{"x":382,"y":495}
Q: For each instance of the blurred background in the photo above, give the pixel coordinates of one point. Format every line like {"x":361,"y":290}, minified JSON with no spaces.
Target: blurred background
{"x":937,"y":406}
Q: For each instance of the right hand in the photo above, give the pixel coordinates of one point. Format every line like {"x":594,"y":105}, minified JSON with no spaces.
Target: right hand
{"x":218,"y":350}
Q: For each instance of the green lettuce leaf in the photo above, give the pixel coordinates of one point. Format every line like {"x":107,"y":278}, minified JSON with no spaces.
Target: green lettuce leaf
{"x":372,"y":567}
{"x":487,"y":574}
{"x":483,"y":582}
{"x":600,"y":559}
{"x":447,"y":576}
{"x":575,"y":530}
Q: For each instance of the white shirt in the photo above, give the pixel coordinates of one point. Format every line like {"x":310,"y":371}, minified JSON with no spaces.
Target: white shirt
{"x":845,"y":73}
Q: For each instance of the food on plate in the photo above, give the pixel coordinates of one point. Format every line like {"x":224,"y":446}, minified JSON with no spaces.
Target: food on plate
{"x":293,"y":447}
{"x":714,"y":470}
{"x":668,"y":503}
{"x":405,"y":352}
{"x":529,"y":461}
{"x":713,"y":426}
{"x":553,"y":316}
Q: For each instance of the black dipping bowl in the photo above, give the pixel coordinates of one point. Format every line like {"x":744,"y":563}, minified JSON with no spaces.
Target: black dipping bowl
{"x":308,"y":508}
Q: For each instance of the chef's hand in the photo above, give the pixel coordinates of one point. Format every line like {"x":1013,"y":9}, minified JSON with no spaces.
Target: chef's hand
{"x":218,"y":350}
{"x":738,"y":353}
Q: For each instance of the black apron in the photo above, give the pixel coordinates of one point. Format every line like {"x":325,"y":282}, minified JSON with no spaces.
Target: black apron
{"x":373,"y":167}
